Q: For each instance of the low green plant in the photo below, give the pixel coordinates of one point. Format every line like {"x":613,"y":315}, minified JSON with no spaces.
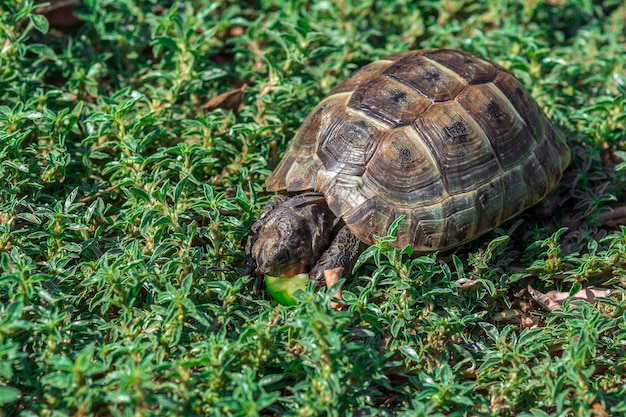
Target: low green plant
{"x":126,"y":201}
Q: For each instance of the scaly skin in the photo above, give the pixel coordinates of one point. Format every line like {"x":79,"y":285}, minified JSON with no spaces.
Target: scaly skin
{"x":343,"y":252}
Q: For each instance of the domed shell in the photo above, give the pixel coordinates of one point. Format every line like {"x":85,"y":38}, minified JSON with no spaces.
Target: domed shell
{"x":448,"y":140}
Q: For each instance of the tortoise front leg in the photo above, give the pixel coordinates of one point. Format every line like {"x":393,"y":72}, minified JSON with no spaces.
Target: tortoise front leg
{"x":343,"y":252}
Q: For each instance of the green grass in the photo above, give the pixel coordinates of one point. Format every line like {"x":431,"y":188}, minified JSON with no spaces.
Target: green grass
{"x":124,"y":209}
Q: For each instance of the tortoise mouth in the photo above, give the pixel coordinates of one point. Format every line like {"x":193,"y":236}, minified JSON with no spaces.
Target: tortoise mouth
{"x":283,"y":265}
{"x":298,"y":268}
{"x":286,"y":270}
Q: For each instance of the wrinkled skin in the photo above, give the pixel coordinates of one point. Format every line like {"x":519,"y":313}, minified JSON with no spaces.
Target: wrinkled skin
{"x":288,"y":246}
{"x":300,"y":234}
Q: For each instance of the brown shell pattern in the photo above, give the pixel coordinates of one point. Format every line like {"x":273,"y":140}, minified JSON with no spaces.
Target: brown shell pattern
{"x":450,"y":141}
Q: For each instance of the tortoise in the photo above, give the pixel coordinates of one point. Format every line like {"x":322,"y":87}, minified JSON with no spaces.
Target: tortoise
{"x":450,"y":141}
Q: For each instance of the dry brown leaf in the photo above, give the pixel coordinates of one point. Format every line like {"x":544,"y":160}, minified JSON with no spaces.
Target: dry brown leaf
{"x":516,"y":316}
{"x":235,"y":31}
{"x":553,"y":300}
{"x":60,"y":13}
{"x":600,"y":409}
{"x":332,"y":276}
{"x":509,"y":315}
{"x":230,"y":100}
{"x":613,"y":218}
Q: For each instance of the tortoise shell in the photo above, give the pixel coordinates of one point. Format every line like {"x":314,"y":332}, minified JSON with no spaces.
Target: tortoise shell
{"x":451,"y":141}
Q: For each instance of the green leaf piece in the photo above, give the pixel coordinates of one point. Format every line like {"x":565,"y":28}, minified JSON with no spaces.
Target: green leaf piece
{"x":282,"y":289}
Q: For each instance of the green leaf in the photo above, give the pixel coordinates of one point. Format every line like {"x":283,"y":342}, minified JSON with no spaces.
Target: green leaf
{"x":29,"y":217}
{"x":187,"y":283}
{"x":40,"y":23}
{"x":43,"y":51}
{"x":410,"y":353}
{"x":9,"y":394}
{"x":140,"y":194}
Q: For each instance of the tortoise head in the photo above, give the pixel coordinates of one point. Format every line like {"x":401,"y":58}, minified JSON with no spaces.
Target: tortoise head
{"x":284,"y":246}
{"x":292,"y":236}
